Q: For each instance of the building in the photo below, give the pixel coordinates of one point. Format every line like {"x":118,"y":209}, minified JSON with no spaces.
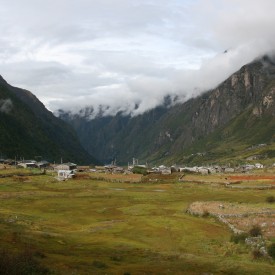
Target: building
{"x":43,"y":164}
{"x":27,"y":164}
{"x":164,"y":170}
{"x":83,"y":168}
{"x":259,"y":166}
{"x":229,"y":170}
{"x":65,"y":175}
{"x":66,"y":166}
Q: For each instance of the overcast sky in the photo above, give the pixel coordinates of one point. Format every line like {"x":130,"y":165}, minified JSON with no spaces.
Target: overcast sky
{"x":128,"y":53}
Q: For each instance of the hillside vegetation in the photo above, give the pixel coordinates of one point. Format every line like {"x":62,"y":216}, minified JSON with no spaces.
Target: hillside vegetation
{"x":28,"y":129}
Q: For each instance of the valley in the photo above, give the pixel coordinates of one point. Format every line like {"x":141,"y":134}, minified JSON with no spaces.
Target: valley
{"x":134,"y":224}
{"x":137,"y":137}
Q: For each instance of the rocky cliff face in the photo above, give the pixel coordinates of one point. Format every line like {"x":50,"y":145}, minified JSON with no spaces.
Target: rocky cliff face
{"x":167,"y":133}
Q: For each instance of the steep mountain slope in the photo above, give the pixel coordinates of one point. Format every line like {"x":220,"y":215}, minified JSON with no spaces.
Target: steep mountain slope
{"x":119,"y":137}
{"x":239,"y":112}
{"x":28,"y":129}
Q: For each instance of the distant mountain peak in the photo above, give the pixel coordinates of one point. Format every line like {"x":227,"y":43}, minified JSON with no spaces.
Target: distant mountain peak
{"x":2,"y":80}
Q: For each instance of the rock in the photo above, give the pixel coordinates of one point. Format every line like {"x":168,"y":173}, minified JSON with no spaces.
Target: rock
{"x":264,"y":224}
{"x":263,"y":251}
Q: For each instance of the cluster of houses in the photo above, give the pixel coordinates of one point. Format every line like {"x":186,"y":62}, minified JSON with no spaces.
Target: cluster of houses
{"x":26,"y":163}
{"x":221,"y":169}
{"x":68,"y":170}
{"x":64,"y":170}
{"x":166,"y":170}
{"x":39,"y":164}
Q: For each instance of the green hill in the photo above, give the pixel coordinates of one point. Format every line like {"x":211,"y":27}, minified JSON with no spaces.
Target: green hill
{"x":28,"y":129}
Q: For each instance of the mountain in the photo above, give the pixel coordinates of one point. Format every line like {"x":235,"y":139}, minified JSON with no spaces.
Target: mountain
{"x":28,"y":129}
{"x":224,"y":124}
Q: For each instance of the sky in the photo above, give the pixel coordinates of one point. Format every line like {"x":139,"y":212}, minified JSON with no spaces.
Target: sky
{"x":127,"y":55}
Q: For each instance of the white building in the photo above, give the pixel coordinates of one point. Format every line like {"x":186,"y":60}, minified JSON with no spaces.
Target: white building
{"x":65,"y":174}
{"x":259,"y":166}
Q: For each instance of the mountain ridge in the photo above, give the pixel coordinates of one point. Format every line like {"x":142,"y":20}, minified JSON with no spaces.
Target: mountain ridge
{"x":28,"y":129}
{"x":167,"y":134}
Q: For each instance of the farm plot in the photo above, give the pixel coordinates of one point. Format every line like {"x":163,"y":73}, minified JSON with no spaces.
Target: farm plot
{"x":239,"y":216}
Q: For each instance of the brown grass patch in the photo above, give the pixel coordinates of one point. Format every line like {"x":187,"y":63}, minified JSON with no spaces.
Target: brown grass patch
{"x":82,"y":176}
{"x":116,"y":177}
{"x":20,"y":178}
{"x":265,"y":222}
{"x":251,"y":177}
{"x":242,"y":216}
{"x":223,"y":208}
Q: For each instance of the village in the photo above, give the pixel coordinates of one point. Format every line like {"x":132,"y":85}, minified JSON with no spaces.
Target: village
{"x":68,"y":170}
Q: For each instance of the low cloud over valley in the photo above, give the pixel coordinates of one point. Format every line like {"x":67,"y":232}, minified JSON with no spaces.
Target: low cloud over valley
{"x":128,"y":55}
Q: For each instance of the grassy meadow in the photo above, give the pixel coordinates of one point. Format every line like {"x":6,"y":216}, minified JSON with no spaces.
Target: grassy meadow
{"x":92,"y":226}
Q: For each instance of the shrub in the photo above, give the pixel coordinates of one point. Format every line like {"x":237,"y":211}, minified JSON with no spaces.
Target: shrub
{"x":238,"y":238}
{"x":139,"y":170}
{"x":23,"y":263}
{"x":270,"y":199}
{"x":255,"y":231}
{"x":205,"y":214}
{"x":116,"y":258}
{"x":256,"y":254}
{"x":99,"y":264}
{"x":271,"y":250}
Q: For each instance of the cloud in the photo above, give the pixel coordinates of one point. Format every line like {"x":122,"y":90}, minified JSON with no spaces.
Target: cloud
{"x":5,"y":106}
{"x":127,"y":56}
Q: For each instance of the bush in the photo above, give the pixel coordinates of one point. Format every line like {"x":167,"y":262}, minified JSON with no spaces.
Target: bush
{"x":255,"y":231}
{"x":256,"y":254}
{"x":99,"y":264}
{"x":205,"y":214}
{"x":238,"y":238}
{"x":116,"y":258}
{"x":271,"y":251}
{"x":23,"y":263}
{"x":139,"y":170}
{"x":270,"y":199}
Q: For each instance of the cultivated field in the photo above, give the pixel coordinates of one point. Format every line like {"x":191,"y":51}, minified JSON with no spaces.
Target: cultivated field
{"x":129,"y":225}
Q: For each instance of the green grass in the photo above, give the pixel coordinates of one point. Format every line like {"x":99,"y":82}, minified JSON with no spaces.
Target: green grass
{"x":87,"y":226}
{"x":230,"y":143}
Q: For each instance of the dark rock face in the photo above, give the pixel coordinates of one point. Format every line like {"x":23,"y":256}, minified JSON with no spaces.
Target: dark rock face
{"x":166,"y":132}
